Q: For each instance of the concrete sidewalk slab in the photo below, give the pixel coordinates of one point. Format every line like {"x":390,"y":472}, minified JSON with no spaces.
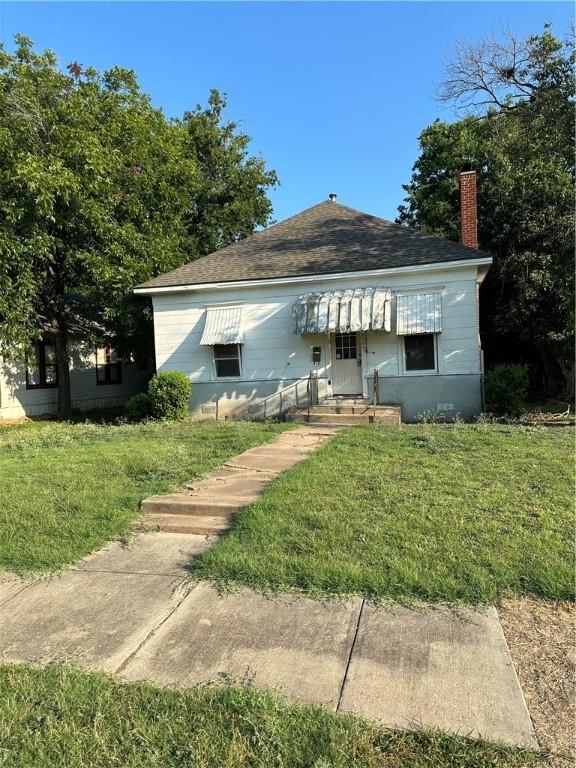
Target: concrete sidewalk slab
{"x":85,"y":618}
{"x":233,"y":482}
{"x":298,"y":645}
{"x":273,"y":462}
{"x":440,"y":668}
{"x":10,"y":586}
{"x":160,"y":554}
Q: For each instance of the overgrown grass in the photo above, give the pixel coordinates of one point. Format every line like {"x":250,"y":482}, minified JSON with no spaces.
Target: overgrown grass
{"x":67,"y":488}
{"x":64,"y":718}
{"x":424,"y":512}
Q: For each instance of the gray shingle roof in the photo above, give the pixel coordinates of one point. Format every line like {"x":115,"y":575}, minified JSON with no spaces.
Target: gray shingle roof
{"x":324,"y":239}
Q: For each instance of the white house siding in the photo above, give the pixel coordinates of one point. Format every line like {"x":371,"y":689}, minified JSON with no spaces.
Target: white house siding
{"x":273,"y":357}
{"x":17,"y":401}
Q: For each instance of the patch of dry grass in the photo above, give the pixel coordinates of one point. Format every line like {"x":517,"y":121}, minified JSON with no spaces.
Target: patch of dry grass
{"x":541,"y":636}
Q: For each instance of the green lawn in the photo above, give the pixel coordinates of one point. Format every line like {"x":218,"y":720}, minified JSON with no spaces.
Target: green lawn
{"x":68,"y":488}
{"x":63,"y":718}
{"x":423,"y":512}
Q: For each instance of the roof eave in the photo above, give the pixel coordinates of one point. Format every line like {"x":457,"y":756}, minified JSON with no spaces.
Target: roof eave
{"x":480,"y":261}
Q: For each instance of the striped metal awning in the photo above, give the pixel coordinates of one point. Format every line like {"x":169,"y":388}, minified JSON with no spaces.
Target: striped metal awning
{"x":345,"y":311}
{"x":223,"y":326}
{"x":418,"y":313}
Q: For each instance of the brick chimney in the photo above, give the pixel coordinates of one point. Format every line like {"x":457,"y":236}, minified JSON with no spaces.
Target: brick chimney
{"x":468,"y":209}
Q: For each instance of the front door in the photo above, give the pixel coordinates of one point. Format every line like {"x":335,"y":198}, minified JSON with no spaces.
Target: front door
{"x":346,"y":364}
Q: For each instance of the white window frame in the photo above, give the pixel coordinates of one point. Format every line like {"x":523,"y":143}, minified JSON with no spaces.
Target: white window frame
{"x":215,"y":376}
{"x":426,"y":371}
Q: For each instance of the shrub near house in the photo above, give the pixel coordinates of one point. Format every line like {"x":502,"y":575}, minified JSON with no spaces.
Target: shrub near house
{"x":506,"y":389}
{"x":167,"y":399}
{"x":138,"y":407}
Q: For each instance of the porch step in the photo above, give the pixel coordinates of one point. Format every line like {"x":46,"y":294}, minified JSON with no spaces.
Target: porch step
{"x":352,"y":409}
{"x":207,"y":525}
{"x":328,"y":418}
{"x":346,"y":415}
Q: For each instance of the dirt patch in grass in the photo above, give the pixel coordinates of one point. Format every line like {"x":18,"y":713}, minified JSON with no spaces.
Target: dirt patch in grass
{"x":541,"y":636}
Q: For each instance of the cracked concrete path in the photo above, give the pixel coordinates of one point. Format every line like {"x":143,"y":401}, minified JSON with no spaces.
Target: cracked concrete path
{"x":297,"y":644}
{"x":129,"y":610}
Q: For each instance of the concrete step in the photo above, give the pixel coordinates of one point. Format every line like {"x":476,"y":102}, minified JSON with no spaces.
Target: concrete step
{"x":392,"y":418}
{"x":329,"y":418}
{"x":346,"y":401}
{"x":200,"y":524}
{"x":361,"y":409}
{"x":186,"y":504}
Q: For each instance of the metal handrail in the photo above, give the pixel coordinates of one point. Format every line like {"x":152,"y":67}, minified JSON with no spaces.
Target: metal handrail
{"x":279,"y":394}
{"x":375,"y":393}
{"x":309,"y":393}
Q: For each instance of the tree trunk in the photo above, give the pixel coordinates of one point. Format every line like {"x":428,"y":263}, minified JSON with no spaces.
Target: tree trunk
{"x":568,"y":372}
{"x":63,"y":373}
{"x":552,"y":373}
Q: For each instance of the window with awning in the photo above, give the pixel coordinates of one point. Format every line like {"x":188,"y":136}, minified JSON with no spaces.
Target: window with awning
{"x":223,"y":326}
{"x":418,"y":313}
{"x":344,"y":311}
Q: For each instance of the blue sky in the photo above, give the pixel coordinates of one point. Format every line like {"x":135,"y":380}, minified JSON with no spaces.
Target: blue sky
{"x":333,"y":94}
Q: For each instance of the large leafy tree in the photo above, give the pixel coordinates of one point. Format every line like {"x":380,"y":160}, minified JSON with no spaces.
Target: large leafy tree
{"x":99,"y":191}
{"x":519,"y":136}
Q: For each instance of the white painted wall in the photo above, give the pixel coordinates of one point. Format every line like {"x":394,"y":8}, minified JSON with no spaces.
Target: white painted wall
{"x":272,"y":356}
{"x":16,"y":400}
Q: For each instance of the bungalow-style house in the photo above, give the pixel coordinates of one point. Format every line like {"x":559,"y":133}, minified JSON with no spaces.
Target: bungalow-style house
{"x":99,"y":378}
{"x":332,"y":302}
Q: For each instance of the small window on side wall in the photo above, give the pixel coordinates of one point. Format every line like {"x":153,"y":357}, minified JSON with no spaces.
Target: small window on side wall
{"x":420,"y":352}
{"x":227,"y":361}
{"x":41,"y":366}
{"x":108,"y":366}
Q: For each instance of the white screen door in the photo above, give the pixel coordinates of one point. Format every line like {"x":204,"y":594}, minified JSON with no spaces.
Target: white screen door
{"x":346,"y":364}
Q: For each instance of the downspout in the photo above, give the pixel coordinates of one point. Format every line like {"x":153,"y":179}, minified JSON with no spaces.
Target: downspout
{"x":480,"y":351}
{"x":482,"y":387}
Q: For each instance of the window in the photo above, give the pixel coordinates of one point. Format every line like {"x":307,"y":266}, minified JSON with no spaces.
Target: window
{"x":345,"y":346}
{"x":420,"y":352}
{"x":41,"y":366}
{"x":108,"y":366}
{"x":227,"y":360}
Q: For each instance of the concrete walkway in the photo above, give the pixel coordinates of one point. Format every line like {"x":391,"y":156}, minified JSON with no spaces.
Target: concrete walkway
{"x":207,"y":505}
{"x":129,"y":612}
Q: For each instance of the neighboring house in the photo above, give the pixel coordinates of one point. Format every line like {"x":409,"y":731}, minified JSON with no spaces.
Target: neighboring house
{"x":333,"y":291}
{"x":98,"y":379}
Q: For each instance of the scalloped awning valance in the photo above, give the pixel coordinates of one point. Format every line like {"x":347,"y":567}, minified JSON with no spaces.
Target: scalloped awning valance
{"x":344,"y":311}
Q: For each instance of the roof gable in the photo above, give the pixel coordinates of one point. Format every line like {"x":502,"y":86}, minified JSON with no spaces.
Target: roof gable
{"x":325,"y":239}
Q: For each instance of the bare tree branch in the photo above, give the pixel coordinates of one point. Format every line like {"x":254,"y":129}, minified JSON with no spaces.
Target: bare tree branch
{"x":493,"y":72}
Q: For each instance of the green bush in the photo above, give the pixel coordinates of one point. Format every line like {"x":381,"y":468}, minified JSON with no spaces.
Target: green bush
{"x":169,"y":394}
{"x":138,"y":407}
{"x":506,"y":387}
